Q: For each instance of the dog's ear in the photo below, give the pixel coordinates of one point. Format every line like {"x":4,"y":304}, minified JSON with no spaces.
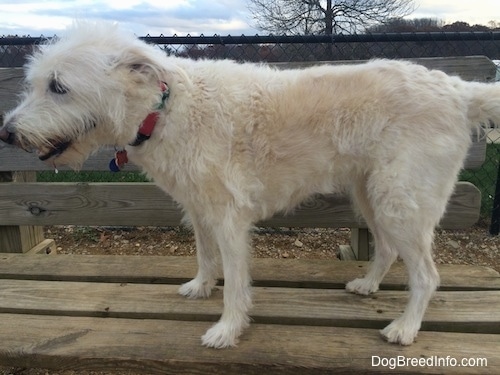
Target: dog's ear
{"x":144,"y":68}
{"x":147,"y":65}
{"x":143,"y":64}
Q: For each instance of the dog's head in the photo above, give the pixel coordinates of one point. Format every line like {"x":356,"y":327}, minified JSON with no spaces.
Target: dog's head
{"x":90,"y":88}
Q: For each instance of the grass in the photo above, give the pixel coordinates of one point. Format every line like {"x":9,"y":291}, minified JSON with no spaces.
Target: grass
{"x":70,"y":176}
{"x":485,"y":178}
{"x":85,"y":234}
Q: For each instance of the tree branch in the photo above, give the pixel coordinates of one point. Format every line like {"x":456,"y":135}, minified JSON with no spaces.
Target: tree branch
{"x":325,"y":16}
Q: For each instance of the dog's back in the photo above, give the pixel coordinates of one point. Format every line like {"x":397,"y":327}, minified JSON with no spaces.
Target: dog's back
{"x":294,"y":133}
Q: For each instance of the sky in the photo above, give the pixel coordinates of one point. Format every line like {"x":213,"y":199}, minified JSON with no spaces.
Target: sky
{"x":194,"y":17}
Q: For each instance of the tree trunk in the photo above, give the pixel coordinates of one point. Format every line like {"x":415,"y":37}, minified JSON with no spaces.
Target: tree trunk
{"x":329,"y":18}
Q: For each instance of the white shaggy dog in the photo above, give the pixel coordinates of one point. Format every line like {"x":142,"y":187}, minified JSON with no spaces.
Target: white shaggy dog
{"x":235,"y":143}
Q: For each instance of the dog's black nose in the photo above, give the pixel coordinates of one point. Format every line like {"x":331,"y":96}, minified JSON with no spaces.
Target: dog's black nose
{"x":6,"y":136}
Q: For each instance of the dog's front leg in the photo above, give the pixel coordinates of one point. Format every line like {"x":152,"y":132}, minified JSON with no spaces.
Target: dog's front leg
{"x":235,"y":251}
{"x":208,"y":260}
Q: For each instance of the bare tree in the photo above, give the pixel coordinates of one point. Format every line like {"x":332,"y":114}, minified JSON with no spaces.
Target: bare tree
{"x":325,"y":16}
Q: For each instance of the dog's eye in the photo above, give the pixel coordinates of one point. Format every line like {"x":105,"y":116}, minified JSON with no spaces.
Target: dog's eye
{"x":57,"y":88}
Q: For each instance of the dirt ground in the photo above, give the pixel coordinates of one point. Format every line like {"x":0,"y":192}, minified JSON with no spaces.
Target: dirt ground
{"x":472,"y":246}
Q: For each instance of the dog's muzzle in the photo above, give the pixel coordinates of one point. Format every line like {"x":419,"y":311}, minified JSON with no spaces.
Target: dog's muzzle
{"x":8,"y":135}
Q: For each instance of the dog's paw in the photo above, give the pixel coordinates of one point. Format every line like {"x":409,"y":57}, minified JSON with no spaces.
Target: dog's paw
{"x":221,"y":335}
{"x":398,"y":333}
{"x":361,"y":286}
{"x":196,"y":289}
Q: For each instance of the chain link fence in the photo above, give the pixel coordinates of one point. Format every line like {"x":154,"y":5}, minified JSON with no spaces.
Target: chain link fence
{"x":14,"y":50}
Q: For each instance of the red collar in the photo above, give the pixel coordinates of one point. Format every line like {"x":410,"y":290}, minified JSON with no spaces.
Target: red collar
{"x":146,"y":128}
{"x":144,"y":133}
{"x":149,"y":123}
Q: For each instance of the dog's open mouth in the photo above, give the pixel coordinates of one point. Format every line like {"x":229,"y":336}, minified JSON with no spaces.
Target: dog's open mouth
{"x":57,"y":149}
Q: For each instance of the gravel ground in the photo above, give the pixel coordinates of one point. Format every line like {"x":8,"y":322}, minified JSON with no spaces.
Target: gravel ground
{"x":472,"y":246}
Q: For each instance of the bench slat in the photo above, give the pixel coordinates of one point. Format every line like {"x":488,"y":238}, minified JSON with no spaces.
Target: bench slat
{"x":50,"y":330}
{"x":301,"y":273}
{"x":471,"y":68}
{"x":173,"y":347}
{"x":145,"y":204}
{"x":14,"y":159}
{"x":296,"y":306}
{"x":11,"y":84}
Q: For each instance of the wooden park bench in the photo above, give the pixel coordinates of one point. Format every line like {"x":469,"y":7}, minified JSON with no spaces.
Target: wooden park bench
{"x":123,"y":312}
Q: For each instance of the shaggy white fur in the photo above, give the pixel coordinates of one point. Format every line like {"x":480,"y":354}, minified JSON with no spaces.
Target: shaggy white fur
{"x":236,"y":143}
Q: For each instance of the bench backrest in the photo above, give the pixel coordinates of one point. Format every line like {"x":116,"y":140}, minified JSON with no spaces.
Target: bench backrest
{"x":472,"y":68}
{"x":32,"y":203}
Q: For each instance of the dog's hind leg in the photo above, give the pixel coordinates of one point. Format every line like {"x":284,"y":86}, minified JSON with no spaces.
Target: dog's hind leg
{"x":233,"y":240}
{"x":384,"y":254}
{"x":404,"y":216}
{"x":208,"y":261}
{"x":423,"y":281}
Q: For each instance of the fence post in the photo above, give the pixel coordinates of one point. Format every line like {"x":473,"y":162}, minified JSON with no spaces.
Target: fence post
{"x":495,"y":212}
{"x":19,"y":238}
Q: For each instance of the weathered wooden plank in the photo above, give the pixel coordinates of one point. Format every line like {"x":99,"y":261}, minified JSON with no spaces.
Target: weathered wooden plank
{"x":173,"y":347}
{"x":146,"y":204}
{"x":165,"y":346}
{"x":14,"y":159}
{"x":19,"y":239}
{"x":10,"y":86}
{"x":361,"y":243}
{"x":302,"y":273}
{"x":476,"y":155}
{"x":469,"y":68}
{"x":473,"y":68}
{"x":476,"y":311}
{"x":463,"y":208}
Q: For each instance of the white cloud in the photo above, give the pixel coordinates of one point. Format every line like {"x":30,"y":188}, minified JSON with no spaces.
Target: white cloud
{"x":193,"y":17}
{"x":142,"y":16}
{"x":477,"y":11}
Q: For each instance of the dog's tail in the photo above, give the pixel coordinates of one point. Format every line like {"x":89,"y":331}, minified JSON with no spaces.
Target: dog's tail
{"x":484,"y":104}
